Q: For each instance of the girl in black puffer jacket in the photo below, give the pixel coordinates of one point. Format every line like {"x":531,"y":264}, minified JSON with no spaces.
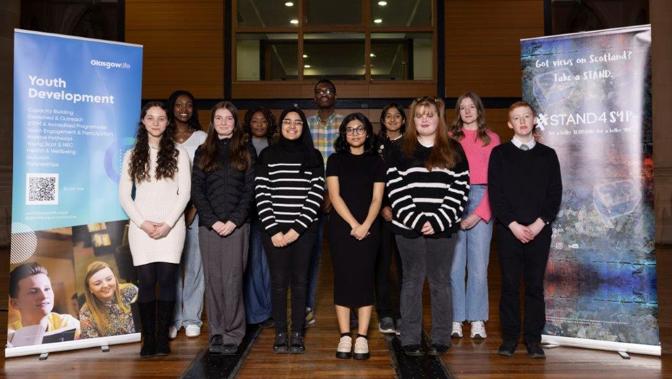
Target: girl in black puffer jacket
{"x":223,"y":186}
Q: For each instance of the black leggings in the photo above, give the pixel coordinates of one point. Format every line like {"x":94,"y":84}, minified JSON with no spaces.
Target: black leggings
{"x":289,"y":269}
{"x":165,"y":274}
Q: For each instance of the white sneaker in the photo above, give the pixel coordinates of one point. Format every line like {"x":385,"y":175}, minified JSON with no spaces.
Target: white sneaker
{"x":361,"y":348}
{"x":478,"y":329}
{"x":457,"y":330}
{"x":172,"y":332}
{"x":344,"y":349}
{"x":192,"y":330}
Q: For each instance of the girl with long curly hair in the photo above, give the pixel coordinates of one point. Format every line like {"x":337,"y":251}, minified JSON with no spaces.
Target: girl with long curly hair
{"x":158,"y":173}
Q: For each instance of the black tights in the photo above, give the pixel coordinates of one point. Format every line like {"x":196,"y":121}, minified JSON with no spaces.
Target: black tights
{"x":165,"y":274}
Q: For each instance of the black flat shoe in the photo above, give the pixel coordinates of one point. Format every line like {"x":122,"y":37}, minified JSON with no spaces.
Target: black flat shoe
{"x":280,"y":345}
{"x":507,"y":348}
{"x":296,"y":345}
{"x":216,"y":347}
{"x":413,"y":350}
{"x":535,"y":351}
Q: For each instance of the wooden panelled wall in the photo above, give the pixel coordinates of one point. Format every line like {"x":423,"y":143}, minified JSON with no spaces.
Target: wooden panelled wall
{"x":183,"y":45}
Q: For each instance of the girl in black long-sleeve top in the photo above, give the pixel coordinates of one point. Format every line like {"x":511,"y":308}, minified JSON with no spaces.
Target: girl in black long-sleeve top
{"x":289,"y":189}
{"x":428,"y":188}
{"x":222,"y":190}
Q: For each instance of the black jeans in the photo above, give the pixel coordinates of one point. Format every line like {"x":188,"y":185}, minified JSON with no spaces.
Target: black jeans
{"x":387,"y":287}
{"x":289,"y":269}
{"x":431,"y":259}
{"x":529,"y":261}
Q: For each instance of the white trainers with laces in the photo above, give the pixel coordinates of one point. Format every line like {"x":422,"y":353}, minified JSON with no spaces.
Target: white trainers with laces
{"x":478,"y":330}
{"x":192,"y":330}
{"x":457,"y":330}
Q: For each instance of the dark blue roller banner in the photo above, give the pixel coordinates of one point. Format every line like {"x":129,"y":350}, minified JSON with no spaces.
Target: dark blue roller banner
{"x":76,"y":111}
{"x":592,"y":94}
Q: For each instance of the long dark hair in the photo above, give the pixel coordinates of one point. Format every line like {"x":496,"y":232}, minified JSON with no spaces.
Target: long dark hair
{"x":239,"y":155}
{"x":382,"y":134}
{"x":444,"y":152}
{"x":341,"y":143}
{"x":457,"y":124}
{"x":166,"y":164}
{"x":172,"y":99}
{"x":270,"y":120}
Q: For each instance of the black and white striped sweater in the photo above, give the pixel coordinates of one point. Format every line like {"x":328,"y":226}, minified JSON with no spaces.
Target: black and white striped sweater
{"x":288,"y":192}
{"x":418,"y":195}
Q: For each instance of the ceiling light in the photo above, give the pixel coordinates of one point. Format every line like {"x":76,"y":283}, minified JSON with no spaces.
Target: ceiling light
{"x":372,"y":55}
{"x":378,"y":21}
{"x":382,"y":3}
{"x":306,"y":66}
{"x":294,"y":21}
{"x":290,"y":4}
{"x":305,"y":56}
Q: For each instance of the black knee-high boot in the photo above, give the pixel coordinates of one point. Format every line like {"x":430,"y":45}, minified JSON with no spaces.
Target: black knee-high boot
{"x":148,"y":320}
{"x":165,"y":319}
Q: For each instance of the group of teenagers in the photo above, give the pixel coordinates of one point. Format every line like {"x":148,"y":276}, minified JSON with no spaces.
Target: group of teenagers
{"x":236,"y":215}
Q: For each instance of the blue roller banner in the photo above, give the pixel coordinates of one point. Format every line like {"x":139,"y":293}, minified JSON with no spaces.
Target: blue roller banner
{"x":76,"y":107}
{"x":592,"y":94}
{"x":76,"y":111}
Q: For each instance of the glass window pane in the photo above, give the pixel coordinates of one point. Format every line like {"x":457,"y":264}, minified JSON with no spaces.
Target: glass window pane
{"x":402,"y":56}
{"x":268,"y":13}
{"x":334,"y":55}
{"x":266,"y":56}
{"x":401,"y":13}
{"x":340,"y":12}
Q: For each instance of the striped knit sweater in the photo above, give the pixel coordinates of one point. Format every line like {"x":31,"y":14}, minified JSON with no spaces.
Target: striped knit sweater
{"x":288,"y":194}
{"x":418,"y":195}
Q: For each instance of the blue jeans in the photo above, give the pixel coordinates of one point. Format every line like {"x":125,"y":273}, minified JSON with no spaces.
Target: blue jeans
{"x":190,"y":288}
{"x":314,"y":265}
{"x":257,"y":282}
{"x":471,"y":256}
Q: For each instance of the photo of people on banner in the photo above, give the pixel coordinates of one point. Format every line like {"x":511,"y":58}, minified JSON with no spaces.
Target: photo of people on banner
{"x":78,"y":284}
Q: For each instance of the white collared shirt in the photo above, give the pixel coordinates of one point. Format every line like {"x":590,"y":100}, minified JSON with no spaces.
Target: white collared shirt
{"x":517,"y":142}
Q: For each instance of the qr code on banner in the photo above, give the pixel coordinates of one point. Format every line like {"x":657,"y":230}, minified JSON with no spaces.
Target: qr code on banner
{"x":41,"y":189}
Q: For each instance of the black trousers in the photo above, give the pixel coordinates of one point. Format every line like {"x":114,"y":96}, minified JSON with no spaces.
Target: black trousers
{"x":289,"y":269}
{"x":388,"y":288}
{"x":529,"y":262}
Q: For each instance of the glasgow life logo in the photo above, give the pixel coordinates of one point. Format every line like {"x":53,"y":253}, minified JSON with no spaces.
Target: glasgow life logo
{"x":109,"y":65}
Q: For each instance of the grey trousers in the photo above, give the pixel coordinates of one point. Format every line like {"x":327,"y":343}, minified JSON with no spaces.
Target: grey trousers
{"x":422,"y":258}
{"x":224,"y":260}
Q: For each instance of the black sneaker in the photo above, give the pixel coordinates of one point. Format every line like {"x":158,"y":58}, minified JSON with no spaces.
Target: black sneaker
{"x":280,"y":346}
{"x":296,"y":345}
{"x":413,"y":350}
{"x":438,"y":349}
{"x":507,"y":348}
{"x":535,"y":351}
{"x":216,"y":346}
{"x":386,"y":325}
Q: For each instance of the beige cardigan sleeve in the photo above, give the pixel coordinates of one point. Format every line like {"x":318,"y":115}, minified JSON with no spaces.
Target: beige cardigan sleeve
{"x":183,"y":187}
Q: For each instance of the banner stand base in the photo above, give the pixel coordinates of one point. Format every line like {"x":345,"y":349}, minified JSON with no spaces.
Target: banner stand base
{"x":621,"y":348}
{"x":624,"y":355}
{"x":44,"y":349}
